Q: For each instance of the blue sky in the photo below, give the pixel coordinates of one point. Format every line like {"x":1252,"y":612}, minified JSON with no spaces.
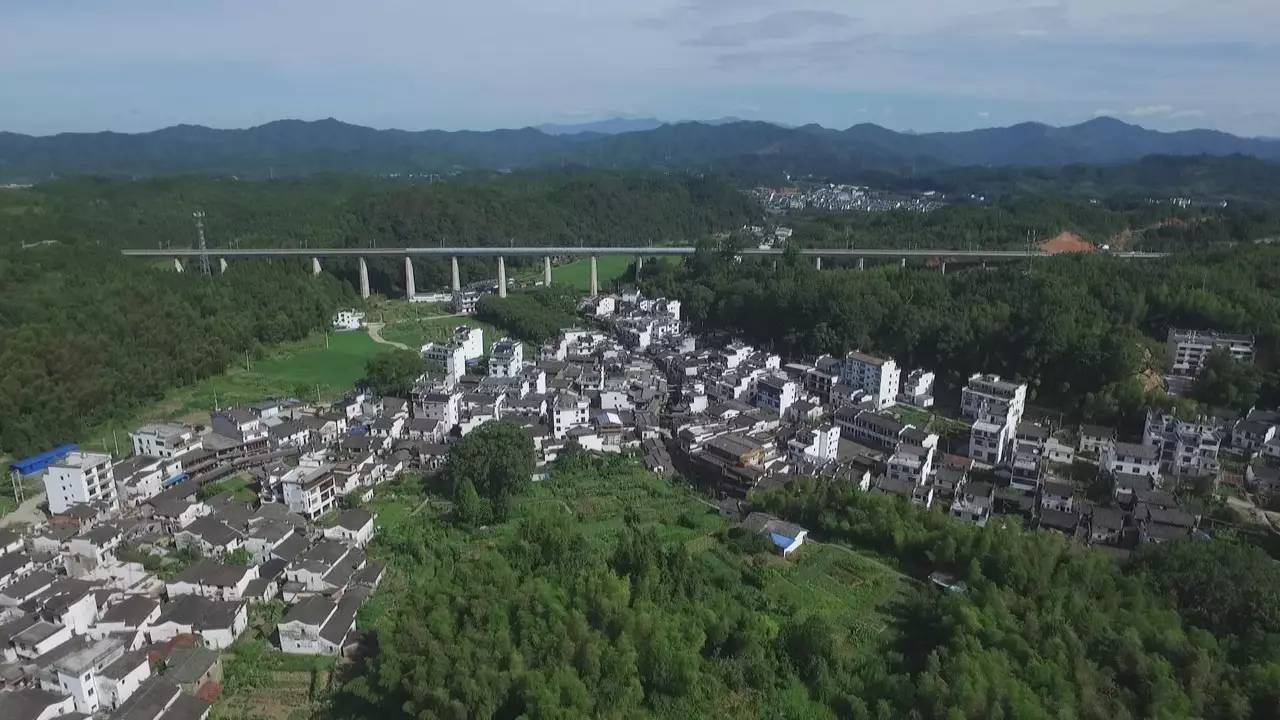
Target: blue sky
{"x":130,"y":65}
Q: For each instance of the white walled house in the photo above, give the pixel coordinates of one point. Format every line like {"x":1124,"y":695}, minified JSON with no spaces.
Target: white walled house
{"x":309,"y":491}
{"x":876,"y":376}
{"x":450,"y":356}
{"x":142,"y":477}
{"x":1130,"y":458}
{"x":318,"y":625}
{"x":1186,"y":447}
{"x":32,"y":703}
{"x":569,"y":411}
{"x":217,"y":622}
{"x":1093,"y":438}
{"x":917,"y":389}
{"x":353,"y":527}
{"x":349,"y":319}
{"x":987,"y":396}
{"x":506,"y":358}
{"x":39,"y":638}
{"x":817,"y":445}
{"x":775,"y":394}
{"x":444,"y":406}
{"x":910,"y":463}
{"x":164,"y":440}
{"x":80,"y":477}
{"x":212,"y":580}
{"x":988,"y":441}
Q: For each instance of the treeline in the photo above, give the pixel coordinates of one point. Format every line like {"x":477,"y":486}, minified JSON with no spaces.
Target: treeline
{"x":1049,"y":630}
{"x":551,"y":616}
{"x":1022,"y":221}
{"x":1080,"y":329}
{"x":1234,"y":178}
{"x":553,"y":208}
{"x":536,"y":316}
{"x":86,"y":336}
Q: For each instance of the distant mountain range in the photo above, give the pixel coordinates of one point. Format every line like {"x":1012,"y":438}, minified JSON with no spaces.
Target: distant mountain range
{"x":755,"y":150}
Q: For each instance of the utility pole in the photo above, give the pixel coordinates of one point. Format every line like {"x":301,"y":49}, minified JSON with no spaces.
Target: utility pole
{"x":204,"y":248}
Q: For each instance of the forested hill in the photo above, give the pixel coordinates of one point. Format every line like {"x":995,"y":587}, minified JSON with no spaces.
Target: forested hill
{"x":292,"y":147}
{"x":535,"y":208}
{"x":87,"y":335}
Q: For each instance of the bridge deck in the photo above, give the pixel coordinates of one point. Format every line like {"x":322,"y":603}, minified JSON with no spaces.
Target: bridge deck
{"x":588,"y":251}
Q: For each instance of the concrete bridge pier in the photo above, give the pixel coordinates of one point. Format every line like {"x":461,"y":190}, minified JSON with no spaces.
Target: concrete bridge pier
{"x":456,"y":281}
{"x":943,"y":267}
{"x":904,"y":263}
{"x":862,"y":263}
{"x":546,"y":271}
{"x":364,"y":279}
{"x":595,"y":279}
{"x":315,"y":266}
{"x":817,"y":262}
{"x":502,"y":277}
{"x":177,"y":264}
{"x":409,"y":289}
{"x":222,"y":264}
{"x":639,"y":266}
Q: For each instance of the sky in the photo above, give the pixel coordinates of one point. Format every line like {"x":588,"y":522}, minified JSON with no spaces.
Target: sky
{"x":922,"y":65}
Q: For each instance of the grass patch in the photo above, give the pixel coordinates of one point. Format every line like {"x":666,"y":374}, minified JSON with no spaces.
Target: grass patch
{"x":240,"y":485}
{"x":311,"y":368}
{"x":416,"y":332}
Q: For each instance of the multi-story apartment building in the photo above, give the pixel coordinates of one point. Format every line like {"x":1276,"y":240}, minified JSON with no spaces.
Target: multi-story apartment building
{"x":818,"y":445}
{"x":987,"y":396}
{"x":80,"y":477}
{"x":506,"y":359}
{"x":310,"y":490}
{"x":1186,"y":350}
{"x":876,"y":376}
{"x":776,"y":394}
{"x":996,"y":407}
{"x":910,"y":463}
{"x":568,"y":411}
{"x":437,"y":404}
{"x":988,"y":441}
{"x":1185,"y":447}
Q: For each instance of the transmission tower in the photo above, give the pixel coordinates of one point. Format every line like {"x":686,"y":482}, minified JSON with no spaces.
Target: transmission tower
{"x":204,"y":248}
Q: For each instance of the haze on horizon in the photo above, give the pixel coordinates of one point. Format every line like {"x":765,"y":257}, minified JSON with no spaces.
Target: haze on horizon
{"x":929,"y":65}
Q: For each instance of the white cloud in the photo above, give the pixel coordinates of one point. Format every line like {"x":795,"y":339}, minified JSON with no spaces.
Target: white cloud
{"x":1143,"y":111}
{"x":984,"y":114}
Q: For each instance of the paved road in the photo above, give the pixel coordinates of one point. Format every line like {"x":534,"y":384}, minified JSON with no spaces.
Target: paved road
{"x":28,"y":513}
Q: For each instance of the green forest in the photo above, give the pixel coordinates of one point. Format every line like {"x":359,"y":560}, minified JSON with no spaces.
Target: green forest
{"x":86,"y":336}
{"x":1080,"y":329}
{"x":568,"y":208}
{"x":608,"y":592}
{"x":1020,"y":221}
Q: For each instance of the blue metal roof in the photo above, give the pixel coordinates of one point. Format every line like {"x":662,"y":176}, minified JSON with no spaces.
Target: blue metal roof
{"x":36,"y":463}
{"x":781,"y":540}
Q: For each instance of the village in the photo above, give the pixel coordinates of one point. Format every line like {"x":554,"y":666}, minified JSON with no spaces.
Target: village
{"x":152,"y":559}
